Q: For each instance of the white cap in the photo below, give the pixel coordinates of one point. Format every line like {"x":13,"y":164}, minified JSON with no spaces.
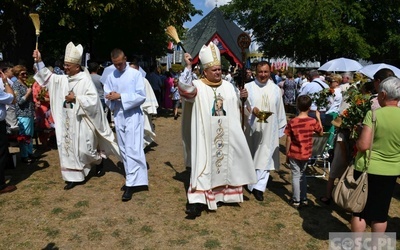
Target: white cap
{"x":73,"y":54}
{"x":210,"y":56}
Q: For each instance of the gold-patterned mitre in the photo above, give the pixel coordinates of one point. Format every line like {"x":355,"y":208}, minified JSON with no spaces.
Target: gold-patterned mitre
{"x":73,"y":54}
{"x":210,"y":55}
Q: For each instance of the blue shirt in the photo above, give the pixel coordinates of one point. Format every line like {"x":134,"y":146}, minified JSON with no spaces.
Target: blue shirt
{"x":155,"y":81}
{"x":5,"y":98}
{"x":175,"y":93}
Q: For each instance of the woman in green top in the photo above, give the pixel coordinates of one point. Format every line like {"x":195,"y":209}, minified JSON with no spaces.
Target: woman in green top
{"x":384,"y":165}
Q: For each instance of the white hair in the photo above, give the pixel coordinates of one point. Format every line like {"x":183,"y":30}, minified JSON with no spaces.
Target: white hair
{"x":391,"y":86}
{"x":348,"y":74}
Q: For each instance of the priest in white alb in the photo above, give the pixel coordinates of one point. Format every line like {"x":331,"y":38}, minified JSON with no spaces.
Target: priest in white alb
{"x":83,"y":134}
{"x":149,"y":106}
{"x":263,"y":136}
{"x":125,"y":93}
{"x":214,"y":143}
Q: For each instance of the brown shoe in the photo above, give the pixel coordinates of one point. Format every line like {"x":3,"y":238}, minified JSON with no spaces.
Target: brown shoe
{"x":8,"y":189}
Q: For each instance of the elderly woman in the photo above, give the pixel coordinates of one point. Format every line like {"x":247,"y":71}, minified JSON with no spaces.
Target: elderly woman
{"x":25,"y":112}
{"x":384,"y":167}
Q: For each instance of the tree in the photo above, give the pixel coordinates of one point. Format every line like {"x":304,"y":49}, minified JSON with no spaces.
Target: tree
{"x":318,"y":29}
{"x":382,"y":30}
{"x":136,"y":26}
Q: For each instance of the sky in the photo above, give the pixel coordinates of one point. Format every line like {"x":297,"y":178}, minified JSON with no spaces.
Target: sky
{"x":206,"y":6}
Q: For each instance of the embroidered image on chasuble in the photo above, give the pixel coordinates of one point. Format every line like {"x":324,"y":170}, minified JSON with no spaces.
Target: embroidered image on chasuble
{"x":219,"y":131}
{"x":218,"y":109}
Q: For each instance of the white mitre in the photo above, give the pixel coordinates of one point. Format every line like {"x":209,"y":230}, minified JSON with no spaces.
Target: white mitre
{"x":73,"y":54}
{"x":210,"y":55}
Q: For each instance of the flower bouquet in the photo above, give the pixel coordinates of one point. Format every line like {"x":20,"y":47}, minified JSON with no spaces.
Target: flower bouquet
{"x":321,"y":98}
{"x":42,"y":94}
{"x":359,"y":105}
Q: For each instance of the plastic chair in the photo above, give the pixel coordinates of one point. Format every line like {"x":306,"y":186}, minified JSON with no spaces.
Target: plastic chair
{"x":320,"y":154}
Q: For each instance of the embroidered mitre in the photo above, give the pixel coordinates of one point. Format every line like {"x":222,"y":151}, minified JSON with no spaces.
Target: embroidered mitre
{"x":210,"y":55}
{"x":73,"y":54}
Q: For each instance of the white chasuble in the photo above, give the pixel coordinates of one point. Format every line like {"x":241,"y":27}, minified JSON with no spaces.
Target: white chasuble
{"x":263,"y":137}
{"x":220,"y":158}
{"x":82,"y":129}
{"x":149,"y":108}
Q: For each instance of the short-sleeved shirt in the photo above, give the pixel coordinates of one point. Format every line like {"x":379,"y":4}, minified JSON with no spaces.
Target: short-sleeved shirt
{"x":175,"y":93}
{"x":98,"y":84}
{"x":5,"y":98}
{"x":385,"y":155}
{"x":301,"y":131}
{"x":313,"y":87}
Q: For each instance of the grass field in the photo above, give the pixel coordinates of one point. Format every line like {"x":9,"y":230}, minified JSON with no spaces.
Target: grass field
{"x":41,"y":215}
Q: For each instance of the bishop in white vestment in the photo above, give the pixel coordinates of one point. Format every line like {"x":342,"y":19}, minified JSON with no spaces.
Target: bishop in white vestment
{"x":218,"y":154}
{"x":83,"y":133}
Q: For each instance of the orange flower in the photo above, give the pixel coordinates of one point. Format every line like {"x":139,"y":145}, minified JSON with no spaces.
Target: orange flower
{"x":332,"y":90}
{"x":359,"y":105}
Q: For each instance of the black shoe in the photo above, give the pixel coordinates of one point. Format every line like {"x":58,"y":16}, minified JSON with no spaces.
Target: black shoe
{"x":127,"y":194}
{"x":27,"y":160}
{"x":176,"y":117}
{"x":33,"y":156}
{"x":258,"y":194}
{"x":100,"y":169}
{"x":70,"y":185}
{"x":247,"y":189}
{"x":136,"y":189}
{"x":194,"y":210}
{"x":325,"y":200}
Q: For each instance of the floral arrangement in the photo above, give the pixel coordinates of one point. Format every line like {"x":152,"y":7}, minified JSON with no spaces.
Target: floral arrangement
{"x":359,"y":105}
{"x":29,"y":82}
{"x":321,"y":98}
{"x":42,"y":93}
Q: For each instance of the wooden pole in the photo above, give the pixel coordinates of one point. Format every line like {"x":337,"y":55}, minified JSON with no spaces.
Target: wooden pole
{"x":243,"y":41}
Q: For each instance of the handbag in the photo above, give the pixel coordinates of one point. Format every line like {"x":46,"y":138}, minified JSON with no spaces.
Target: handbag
{"x":337,"y":122}
{"x":351,"y":194}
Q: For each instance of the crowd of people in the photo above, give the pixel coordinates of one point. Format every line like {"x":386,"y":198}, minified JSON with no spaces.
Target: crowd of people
{"x":230,"y":135}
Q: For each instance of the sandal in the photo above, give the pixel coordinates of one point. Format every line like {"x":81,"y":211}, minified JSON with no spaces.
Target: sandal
{"x":325,"y":200}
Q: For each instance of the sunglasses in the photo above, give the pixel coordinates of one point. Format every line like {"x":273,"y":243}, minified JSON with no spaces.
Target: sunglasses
{"x":23,"y":73}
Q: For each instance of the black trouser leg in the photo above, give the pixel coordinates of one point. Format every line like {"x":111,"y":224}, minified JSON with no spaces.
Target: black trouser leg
{"x":4,"y":153}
